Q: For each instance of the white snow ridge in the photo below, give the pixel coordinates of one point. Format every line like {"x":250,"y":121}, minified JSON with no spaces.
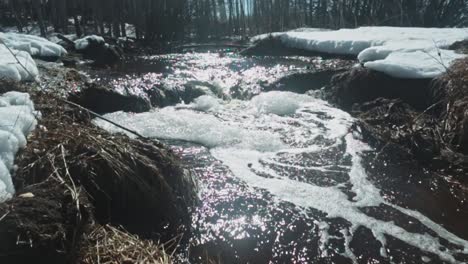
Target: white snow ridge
{"x":17,"y":120}
{"x":396,"y":51}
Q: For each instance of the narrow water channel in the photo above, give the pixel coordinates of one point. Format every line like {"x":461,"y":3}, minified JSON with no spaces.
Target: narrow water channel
{"x":285,"y":177}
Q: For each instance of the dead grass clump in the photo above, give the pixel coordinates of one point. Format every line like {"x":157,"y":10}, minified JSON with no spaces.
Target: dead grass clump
{"x":138,"y":184}
{"x":454,"y":105}
{"x":43,"y":224}
{"x":107,"y":244}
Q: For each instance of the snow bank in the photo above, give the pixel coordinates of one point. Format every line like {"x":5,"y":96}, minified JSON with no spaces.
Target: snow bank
{"x":34,"y":45}
{"x":23,"y":47}
{"x":399,"y":52}
{"x":12,"y":70}
{"x":16,"y":122}
{"x":83,"y":43}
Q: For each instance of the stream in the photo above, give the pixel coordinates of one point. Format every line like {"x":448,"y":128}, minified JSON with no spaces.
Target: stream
{"x":284,"y":177}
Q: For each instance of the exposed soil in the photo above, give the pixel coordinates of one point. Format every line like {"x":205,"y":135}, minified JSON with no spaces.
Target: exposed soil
{"x":426,"y":119}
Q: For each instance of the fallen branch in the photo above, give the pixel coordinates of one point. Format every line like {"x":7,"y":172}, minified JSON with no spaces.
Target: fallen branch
{"x":5,"y":215}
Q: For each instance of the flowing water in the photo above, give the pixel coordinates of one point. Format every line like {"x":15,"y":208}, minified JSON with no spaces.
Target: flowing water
{"x":285,"y":177}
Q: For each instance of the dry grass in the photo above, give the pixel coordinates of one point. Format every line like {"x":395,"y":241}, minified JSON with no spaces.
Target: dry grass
{"x":108,"y":245}
{"x":129,"y":182}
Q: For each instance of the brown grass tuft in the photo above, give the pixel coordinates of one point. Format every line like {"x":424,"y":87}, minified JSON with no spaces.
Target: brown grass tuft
{"x":107,"y":244}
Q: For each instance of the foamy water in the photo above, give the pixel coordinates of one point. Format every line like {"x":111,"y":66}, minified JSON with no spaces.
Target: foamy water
{"x":265,"y":142}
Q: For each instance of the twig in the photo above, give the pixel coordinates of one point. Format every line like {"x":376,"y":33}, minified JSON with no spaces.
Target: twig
{"x":5,"y":215}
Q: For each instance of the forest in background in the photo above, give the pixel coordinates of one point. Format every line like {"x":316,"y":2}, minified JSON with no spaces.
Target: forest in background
{"x":202,"y":19}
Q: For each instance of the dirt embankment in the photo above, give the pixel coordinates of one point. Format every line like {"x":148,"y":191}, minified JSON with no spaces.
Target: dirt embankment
{"x":73,"y":178}
{"x":427,"y":119}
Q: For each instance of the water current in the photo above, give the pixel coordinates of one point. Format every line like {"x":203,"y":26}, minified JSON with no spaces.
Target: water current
{"x":285,"y":177}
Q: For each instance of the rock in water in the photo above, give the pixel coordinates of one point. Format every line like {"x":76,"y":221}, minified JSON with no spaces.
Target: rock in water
{"x":96,"y":49}
{"x":105,"y":100}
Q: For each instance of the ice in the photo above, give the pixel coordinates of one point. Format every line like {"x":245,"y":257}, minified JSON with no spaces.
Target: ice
{"x":82,"y":43}
{"x":17,"y":120}
{"x":384,"y":48}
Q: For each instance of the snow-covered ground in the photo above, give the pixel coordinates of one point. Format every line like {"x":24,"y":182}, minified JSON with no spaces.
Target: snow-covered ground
{"x":399,"y":52}
{"x":23,"y":48}
{"x":34,"y":45}
{"x":17,"y":120}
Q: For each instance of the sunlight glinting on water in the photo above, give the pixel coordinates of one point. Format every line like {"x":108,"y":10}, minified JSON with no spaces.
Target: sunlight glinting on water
{"x":296,"y":147}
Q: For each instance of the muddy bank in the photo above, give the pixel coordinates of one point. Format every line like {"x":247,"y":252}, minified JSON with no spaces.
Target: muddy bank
{"x":424,"y":118}
{"x":73,"y":176}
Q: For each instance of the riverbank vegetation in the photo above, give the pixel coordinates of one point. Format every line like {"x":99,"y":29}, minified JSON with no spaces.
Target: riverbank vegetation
{"x":178,"y":19}
{"x":73,"y":177}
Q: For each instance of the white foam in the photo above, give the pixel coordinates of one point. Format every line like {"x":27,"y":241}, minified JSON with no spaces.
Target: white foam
{"x":279,"y":103}
{"x":246,"y":135}
{"x":170,"y":123}
{"x":204,"y":103}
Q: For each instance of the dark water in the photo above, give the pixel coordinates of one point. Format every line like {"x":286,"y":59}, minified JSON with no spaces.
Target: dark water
{"x":284,"y":177}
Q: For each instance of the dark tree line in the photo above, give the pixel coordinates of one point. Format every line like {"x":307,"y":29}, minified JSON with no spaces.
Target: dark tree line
{"x":178,"y":19}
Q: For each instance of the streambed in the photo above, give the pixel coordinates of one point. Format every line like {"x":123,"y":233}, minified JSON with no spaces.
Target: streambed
{"x":285,"y":177}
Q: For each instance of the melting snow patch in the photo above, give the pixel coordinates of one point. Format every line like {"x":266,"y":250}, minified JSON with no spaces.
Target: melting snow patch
{"x":25,"y":70}
{"x":16,"y":62}
{"x":17,"y":120}
{"x":83,"y":43}
{"x":399,"y":52}
{"x":34,"y":45}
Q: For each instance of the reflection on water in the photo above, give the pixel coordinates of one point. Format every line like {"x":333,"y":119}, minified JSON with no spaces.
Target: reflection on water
{"x":285,"y":178}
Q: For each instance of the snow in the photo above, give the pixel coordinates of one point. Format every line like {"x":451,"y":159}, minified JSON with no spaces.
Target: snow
{"x":82,"y":43}
{"x":24,"y":47}
{"x":415,"y":64}
{"x":17,"y":120}
{"x":12,"y":70}
{"x":399,"y":52}
{"x":34,"y":45}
